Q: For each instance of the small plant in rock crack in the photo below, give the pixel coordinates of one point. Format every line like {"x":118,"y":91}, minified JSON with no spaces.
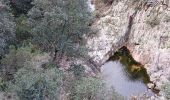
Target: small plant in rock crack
{"x":166,"y":89}
{"x":153,"y":22}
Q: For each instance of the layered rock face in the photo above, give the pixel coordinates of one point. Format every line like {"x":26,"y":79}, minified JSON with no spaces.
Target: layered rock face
{"x":148,"y":40}
{"x":110,"y":28}
{"x":151,"y":33}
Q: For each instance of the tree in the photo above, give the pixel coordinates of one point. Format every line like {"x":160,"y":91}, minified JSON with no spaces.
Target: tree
{"x":59,"y":25}
{"x":7,"y":28}
{"x":32,"y":84}
{"x":22,"y":29}
{"x":91,"y":88}
{"x":86,"y":88}
{"x":16,"y":59}
{"x":21,"y":6}
{"x":78,"y":70}
{"x":82,"y":87}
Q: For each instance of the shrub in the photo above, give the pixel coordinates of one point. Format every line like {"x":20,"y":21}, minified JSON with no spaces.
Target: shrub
{"x":21,"y":6}
{"x":32,"y":84}
{"x":16,"y":59}
{"x":3,"y":85}
{"x":59,"y":26}
{"x":22,"y":29}
{"x":86,"y":88}
{"x":7,"y":29}
{"x":166,"y":89}
{"x":82,"y":87}
{"x":90,"y":88}
{"x":78,"y":70}
{"x":153,"y":21}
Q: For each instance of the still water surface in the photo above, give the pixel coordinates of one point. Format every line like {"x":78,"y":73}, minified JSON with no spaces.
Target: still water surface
{"x":115,"y":76}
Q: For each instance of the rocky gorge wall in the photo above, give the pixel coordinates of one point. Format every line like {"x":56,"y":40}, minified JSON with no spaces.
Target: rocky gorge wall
{"x":148,"y":39}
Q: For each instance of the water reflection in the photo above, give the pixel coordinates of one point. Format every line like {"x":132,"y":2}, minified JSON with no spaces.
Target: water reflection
{"x":116,"y":76}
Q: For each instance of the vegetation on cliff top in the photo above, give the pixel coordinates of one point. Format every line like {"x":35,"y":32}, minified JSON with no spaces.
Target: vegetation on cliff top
{"x":35,"y":35}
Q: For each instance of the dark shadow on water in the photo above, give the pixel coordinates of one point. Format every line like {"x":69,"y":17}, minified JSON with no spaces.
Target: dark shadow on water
{"x":135,"y":69}
{"x":127,"y":76}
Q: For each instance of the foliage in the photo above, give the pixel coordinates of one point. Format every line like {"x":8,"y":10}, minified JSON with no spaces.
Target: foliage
{"x":21,"y":6}
{"x":78,"y":70}
{"x":32,"y":84}
{"x":91,"y":88}
{"x":7,"y":28}
{"x":83,"y":87}
{"x":22,"y":28}
{"x":3,"y":85}
{"x":86,"y":88}
{"x":56,"y":26}
{"x":59,"y":25}
{"x":153,"y":21}
{"x":167,"y":90}
{"x":16,"y":59}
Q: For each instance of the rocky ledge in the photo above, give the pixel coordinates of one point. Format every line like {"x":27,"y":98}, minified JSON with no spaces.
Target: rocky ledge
{"x":148,"y":38}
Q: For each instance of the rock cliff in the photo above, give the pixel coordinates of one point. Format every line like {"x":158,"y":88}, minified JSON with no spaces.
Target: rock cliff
{"x":143,"y":26}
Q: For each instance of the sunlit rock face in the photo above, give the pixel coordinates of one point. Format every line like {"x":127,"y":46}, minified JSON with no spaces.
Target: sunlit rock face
{"x":110,"y":29}
{"x":91,"y":6}
{"x":149,"y":40}
{"x":153,"y":50}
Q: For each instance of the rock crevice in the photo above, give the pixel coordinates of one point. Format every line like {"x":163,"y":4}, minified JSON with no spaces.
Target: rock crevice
{"x":148,"y":40}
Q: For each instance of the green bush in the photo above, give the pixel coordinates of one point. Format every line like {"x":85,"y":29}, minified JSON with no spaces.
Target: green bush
{"x":16,"y":59}
{"x":78,"y":70}
{"x":7,"y":29}
{"x":91,"y":88}
{"x":59,"y":26}
{"x":86,"y":88}
{"x":166,"y":89}
{"x":32,"y":84}
{"x":21,"y":6}
{"x":3,"y":85}
{"x":82,"y":87}
{"x":22,"y":29}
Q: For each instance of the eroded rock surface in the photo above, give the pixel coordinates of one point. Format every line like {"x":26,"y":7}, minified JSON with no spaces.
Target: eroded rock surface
{"x":148,"y":41}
